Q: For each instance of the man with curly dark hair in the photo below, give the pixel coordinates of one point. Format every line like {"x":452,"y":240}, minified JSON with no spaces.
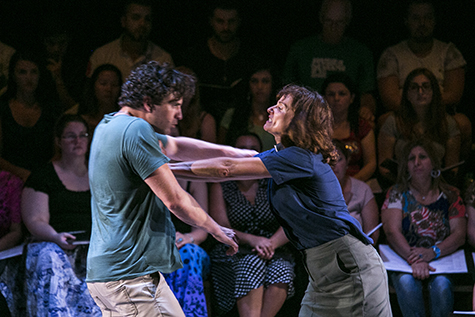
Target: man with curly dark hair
{"x":133,"y":190}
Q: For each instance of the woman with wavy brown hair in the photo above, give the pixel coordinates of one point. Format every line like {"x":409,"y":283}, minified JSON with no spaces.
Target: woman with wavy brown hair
{"x":347,"y":277}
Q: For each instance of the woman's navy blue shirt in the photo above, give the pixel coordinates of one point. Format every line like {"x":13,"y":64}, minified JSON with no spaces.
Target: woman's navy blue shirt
{"x":306,"y":198}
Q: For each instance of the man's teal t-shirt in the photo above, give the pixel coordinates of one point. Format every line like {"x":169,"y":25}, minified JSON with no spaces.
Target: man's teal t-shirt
{"x":132,"y":233}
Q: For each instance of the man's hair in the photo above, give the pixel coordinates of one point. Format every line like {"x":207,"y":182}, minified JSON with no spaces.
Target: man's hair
{"x":157,"y":82}
{"x":311,"y":127}
{"x":348,"y":8}
{"x":224,"y":5}
{"x":127,"y":3}
{"x":415,"y":2}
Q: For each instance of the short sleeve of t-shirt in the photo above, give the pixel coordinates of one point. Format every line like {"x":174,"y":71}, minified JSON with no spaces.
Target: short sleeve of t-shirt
{"x":389,"y":127}
{"x":454,"y":58}
{"x":364,"y":127}
{"x":387,"y":64}
{"x":452,"y":127}
{"x":287,"y":164}
{"x":227,"y":118}
{"x":142,"y":148}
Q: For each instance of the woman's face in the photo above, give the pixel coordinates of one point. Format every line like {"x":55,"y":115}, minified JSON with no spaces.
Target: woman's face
{"x":74,"y":140}
{"x":419,"y":92}
{"x":419,"y":164}
{"x":260,"y":85}
{"x":280,"y":116}
{"x":341,"y":166}
{"x":27,"y":75}
{"x":339,"y":97}
{"x":107,"y":87}
{"x":248,"y":142}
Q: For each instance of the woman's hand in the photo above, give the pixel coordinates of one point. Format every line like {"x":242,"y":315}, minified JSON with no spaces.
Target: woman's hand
{"x":183,"y":238}
{"x":420,"y":270}
{"x":420,"y":254}
{"x":61,"y":240}
{"x":264,"y":247}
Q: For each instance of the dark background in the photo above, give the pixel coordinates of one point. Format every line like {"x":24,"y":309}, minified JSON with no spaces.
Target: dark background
{"x":269,"y":25}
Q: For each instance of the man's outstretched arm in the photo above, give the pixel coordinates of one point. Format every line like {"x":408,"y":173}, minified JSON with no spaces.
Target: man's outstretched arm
{"x":184,"y":206}
{"x":189,"y":149}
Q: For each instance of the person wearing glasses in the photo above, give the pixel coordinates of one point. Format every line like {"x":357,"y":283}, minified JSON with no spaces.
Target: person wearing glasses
{"x":421,"y":114}
{"x":56,"y":207}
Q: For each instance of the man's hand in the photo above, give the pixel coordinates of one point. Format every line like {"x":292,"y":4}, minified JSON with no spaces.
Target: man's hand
{"x":227,"y":236}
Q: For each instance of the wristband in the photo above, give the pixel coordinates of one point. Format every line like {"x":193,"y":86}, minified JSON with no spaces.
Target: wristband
{"x":436,"y":250}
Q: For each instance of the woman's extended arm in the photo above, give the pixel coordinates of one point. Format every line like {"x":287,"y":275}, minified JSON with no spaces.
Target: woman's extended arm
{"x":221,"y":169}
{"x":35,"y":215}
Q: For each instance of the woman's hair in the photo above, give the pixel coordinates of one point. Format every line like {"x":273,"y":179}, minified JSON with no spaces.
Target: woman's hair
{"x":89,"y":105}
{"x":311,"y":126}
{"x":41,"y":93}
{"x":243,"y":108}
{"x":435,"y":120}
{"x":354,"y":109}
{"x":190,"y":125}
{"x":157,"y":82}
{"x":403,"y":177}
{"x":64,"y":120}
{"x":339,"y":145}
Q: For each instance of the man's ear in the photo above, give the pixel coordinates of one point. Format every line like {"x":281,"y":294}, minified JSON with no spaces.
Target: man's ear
{"x":147,"y":104}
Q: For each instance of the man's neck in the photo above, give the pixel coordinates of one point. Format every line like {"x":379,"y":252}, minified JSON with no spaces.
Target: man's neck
{"x":420,"y":48}
{"x":223,"y":50}
{"x":133,"y":48}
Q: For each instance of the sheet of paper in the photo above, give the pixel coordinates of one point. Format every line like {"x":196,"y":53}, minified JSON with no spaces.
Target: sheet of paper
{"x":453,"y":263}
{"x":9,"y":253}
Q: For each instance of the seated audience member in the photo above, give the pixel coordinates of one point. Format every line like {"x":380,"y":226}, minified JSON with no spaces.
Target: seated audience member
{"x":260,"y":276}
{"x":312,"y":59}
{"x":470,"y":208}
{"x":10,"y":236}
{"x":26,"y":118}
{"x":56,"y":202}
{"x":65,"y":73}
{"x":100,"y":95}
{"x":421,"y":49}
{"x":251,"y":114}
{"x":421,"y":114}
{"x":196,"y":122}
{"x":187,"y":283}
{"x":355,"y":132}
{"x":6,"y":53}
{"x":223,"y":60}
{"x":358,"y":195}
{"x":424,"y":220}
{"x":10,"y":215}
{"x":133,"y":48}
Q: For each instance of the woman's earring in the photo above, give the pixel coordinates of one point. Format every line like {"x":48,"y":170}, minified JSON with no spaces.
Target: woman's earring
{"x":409,"y":177}
{"x":435,"y":173}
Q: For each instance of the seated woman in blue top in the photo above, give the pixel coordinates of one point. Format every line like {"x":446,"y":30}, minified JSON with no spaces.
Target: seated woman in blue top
{"x":346,"y":275}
